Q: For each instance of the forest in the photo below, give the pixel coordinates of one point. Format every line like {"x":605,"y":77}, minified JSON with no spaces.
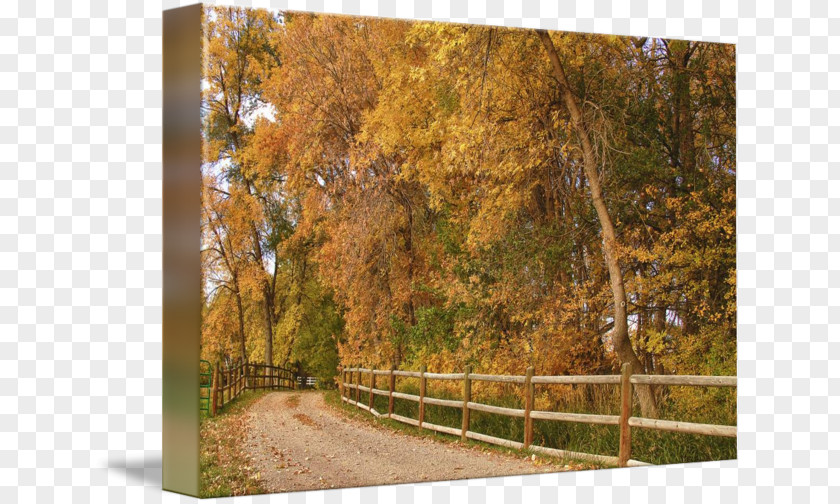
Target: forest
{"x":397,"y":193}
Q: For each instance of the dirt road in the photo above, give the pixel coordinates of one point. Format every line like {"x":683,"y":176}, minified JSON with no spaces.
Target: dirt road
{"x":298,"y":442}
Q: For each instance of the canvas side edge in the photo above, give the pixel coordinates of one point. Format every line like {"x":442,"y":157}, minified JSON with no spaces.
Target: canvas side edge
{"x":182,"y":56}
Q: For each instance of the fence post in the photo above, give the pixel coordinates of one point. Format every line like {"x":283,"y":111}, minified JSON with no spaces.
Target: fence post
{"x":465,"y":416}
{"x":372,"y":385}
{"x":391,"y":382}
{"x":221,"y":403}
{"x":422,"y":395}
{"x":529,"y":406}
{"x":624,"y":419}
{"x":214,"y":390}
{"x":341,"y":381}
{"x":227,"y":387}
{"x":224,"y":387}
{"x":358,"y":382}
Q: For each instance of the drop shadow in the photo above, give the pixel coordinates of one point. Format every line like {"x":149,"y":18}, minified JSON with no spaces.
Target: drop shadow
{"x":144,"y":470}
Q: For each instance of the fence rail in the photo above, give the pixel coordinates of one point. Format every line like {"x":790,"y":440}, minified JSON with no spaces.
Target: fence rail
{"x":229,"y":383}
{"x":351,"y":389}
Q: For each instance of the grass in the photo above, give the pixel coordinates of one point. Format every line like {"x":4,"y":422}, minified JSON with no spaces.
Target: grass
{"x":224,"y":464}
{"x":333,"y":398}
{"x":687,"y":404}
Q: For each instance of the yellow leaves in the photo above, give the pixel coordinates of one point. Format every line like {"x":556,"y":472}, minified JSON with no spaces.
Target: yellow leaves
{"x":430,"y":166}
{"x":655,"y":342}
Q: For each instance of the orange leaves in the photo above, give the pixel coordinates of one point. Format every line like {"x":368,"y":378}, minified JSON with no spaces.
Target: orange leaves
{"x":430,"y":175}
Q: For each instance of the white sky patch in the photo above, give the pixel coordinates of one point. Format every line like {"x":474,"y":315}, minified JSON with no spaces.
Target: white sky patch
{"x":265,"y":110}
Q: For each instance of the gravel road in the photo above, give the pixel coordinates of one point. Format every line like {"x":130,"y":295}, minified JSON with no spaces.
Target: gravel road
{"x":298,"y":442}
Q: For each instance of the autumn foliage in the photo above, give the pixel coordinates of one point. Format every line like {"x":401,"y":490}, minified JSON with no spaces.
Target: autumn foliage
{"x":396,"y":193}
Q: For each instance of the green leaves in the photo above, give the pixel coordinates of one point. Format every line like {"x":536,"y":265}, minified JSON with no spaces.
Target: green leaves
{"x":433,"y":181}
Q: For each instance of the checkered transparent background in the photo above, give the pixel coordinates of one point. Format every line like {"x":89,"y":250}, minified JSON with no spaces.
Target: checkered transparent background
{"x":80,"y":252}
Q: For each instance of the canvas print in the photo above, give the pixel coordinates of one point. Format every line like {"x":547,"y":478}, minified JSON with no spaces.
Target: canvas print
{"x":435,"y":251}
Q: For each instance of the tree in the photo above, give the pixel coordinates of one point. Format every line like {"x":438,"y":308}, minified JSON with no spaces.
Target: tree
{"x":397,"y":193}
{"x":237,"y":53}
{"x":619,"y":335}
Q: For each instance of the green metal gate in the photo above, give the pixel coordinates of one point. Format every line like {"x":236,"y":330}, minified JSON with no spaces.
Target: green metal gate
{"x":205,"y":383}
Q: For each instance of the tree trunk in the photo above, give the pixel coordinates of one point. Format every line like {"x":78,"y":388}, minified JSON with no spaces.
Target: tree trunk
{"x":409,"y":250}
{"x":620,"y":337}
{"x":684,"y":130}
{"x":660,"y":322}
{"x":269,"y":332}
{"x":241,"y":317}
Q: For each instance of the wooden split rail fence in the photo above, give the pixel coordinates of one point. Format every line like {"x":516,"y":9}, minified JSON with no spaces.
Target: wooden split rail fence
{"x":230,"y":382}
{"x":351,"y":393}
